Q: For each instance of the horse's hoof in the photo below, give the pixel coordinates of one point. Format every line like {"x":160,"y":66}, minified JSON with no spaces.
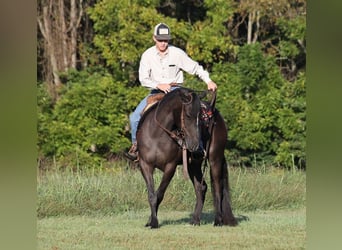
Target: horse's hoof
{"x":151,"y":226}
{"x":195,"y":222}
{"x":154,"y":226}
{"x":232,"y":222}
{"x":153,"y":223}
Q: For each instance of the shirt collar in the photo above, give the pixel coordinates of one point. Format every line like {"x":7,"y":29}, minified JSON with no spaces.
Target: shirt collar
{"x":158,"y":53}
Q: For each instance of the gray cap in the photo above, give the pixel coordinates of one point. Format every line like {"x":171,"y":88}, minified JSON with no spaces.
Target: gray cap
{"x":162,"y":32}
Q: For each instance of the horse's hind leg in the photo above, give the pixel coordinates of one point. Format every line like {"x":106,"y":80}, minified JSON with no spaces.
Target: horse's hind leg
{"x":220,"y":189}
{"x":200,"y":187}
{"x":227,"y":213}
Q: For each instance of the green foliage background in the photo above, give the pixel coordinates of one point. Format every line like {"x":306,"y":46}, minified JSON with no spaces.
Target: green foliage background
{"x":264,"y":108}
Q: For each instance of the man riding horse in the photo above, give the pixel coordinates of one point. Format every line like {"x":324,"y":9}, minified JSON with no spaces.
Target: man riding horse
{"x":161,"y":70}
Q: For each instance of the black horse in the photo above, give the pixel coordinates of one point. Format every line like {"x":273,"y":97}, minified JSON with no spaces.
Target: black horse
{"x":168,"y":130}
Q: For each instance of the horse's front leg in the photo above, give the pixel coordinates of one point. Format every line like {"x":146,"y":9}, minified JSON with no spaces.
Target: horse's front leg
{"x":147,"y":173}
{"x":200,"y":187}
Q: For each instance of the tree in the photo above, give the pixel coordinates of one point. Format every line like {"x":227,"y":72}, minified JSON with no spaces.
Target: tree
{"x":124,"y":30}
{"x":265,"y":113}
{"x":58,"y":23}
{"x":90,"y":120}
{"x":246,"y":45}
{"x":278,"y":25}
{"x":260,"y":10}
{"x":210,"y":40}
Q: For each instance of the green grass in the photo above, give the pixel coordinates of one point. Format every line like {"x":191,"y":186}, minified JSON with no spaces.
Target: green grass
{"x":107,"y":208}
{"x":118,"y":189}
{"x":277,"y":229}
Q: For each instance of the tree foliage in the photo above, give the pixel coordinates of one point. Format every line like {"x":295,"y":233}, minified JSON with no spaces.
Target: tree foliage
{"x":264,"y":111}
{"x":255,"y":51}
{"x":89,"y":121}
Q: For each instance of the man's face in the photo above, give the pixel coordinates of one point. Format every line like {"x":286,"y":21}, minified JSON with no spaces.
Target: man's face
{"x":161,"y":44}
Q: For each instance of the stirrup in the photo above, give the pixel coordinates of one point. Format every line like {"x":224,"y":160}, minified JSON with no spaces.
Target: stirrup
{"x":133,"y":156}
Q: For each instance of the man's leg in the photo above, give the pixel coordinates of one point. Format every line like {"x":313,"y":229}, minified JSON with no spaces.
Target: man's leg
{"x":134,"y":119}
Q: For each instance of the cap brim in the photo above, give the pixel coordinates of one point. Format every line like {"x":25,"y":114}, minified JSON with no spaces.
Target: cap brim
{"x":163,"y":37}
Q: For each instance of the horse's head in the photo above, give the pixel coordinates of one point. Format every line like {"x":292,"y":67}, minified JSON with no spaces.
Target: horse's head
{"x":177,"y":114}
{"x":190,"y":119}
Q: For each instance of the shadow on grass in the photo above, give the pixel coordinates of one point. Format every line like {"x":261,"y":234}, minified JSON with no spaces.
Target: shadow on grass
{"x":206,"y":218}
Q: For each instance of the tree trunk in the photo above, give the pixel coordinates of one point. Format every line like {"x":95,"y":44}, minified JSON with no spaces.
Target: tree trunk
{"x":251,"y":16}
{"x":73,"y":38}
{"x":64,"y":51}
{"x":58,"y":22}
{"x":256,"y":32}
{"x":45,"y":28}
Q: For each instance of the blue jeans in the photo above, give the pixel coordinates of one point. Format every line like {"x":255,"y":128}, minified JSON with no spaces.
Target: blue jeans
{"x":134,"y":117}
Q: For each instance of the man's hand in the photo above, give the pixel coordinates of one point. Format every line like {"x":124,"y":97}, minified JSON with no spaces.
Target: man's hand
{"x":212,"y":86}
{"x":165,"y":87}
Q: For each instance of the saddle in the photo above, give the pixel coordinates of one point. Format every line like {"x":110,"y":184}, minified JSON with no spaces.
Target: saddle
{"x":152,"y":99}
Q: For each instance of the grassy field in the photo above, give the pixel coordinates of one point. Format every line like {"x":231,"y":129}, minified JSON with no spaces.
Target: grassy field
{"x":278,"y":229}
{"x":107,"y":209}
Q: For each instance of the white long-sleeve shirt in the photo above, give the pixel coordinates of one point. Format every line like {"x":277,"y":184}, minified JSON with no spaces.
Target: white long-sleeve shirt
{"x":155,"y":69}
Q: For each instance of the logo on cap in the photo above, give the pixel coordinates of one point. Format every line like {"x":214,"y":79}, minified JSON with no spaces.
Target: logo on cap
{"x":162,"y":32}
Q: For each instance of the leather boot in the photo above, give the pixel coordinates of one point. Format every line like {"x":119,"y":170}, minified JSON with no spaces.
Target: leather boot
{"x":132,"y":153}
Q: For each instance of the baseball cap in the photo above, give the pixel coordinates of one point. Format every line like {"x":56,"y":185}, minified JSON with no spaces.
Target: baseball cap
{"x":162,"y":32}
